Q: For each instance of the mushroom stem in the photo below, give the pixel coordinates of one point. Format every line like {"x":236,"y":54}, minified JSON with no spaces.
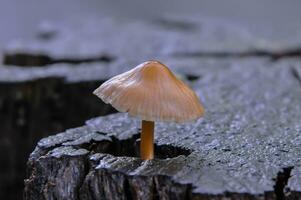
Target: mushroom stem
{"x":147,"y":140}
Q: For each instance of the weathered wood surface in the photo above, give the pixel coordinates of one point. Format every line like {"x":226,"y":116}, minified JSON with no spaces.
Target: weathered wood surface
{"x":246,"y":147}
{"x":38,"y":101}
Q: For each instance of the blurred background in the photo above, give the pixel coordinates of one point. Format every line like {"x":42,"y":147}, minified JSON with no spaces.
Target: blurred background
{"x":19,"y":19}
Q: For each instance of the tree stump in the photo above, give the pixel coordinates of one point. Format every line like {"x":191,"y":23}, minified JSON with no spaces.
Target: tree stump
{"x":246,"y":147}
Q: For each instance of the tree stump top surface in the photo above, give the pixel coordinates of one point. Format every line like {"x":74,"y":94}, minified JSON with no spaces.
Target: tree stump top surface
{"x":248,"y":138}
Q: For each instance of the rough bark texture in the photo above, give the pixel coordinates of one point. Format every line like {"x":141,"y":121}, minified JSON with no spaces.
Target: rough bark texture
{"x":246,"y":147}
{"x":37,"y":102}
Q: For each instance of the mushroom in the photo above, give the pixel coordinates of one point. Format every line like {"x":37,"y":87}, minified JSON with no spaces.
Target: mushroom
{"x":152,"y":93}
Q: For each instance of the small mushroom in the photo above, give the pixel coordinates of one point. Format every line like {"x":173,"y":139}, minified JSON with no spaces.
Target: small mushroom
{"x":152,"y":93}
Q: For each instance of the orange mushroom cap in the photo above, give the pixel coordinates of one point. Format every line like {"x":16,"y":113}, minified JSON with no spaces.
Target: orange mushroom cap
{"x":151,"y":92}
